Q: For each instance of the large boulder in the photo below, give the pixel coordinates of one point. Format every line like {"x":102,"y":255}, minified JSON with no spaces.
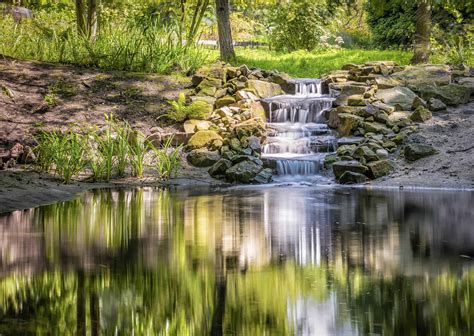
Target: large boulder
{"x":224,"y":101}
{"x":451,"y":94}
{"x":203,"y":157}
{"x":417,"y":151}
{"x":244,"y":171}
{"x":398,"y":95}
{"x":380,"y":168}
{"x":341,"y":167}
{"x":427,"y":73}
{"x":202,"y":139}
{"x":264,"y":89}
{"x":387,"y":82}
{"x":285,"y":81}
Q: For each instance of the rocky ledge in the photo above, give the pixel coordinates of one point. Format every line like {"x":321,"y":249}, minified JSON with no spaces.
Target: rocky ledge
{"x":379,"y":105}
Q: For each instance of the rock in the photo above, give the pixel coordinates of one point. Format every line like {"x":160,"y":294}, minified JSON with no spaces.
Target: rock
{"x":399,"y":95}
{"x":387,"y":82}
{"x":346,"y":150}
{"x":192,"y":125}
{"x":209,"y":85}
{"x":243,"y":171}
{"x":244,"y":70}
{"x":202,"y":139}
{"x":467,"y":82}
{"x":329,"y":160}
{"x":418,"y":102}
{"x":251,"y":127}
{"x":341,"y":167}
{"x":349,"y":177}
{"x":224,"y":101}
{"x":199,"y":109}
{"x":451,"y":94}
{"x":215,"y":71}
{"x":416,"y":151}
{"x":382,"y":153}
{"x":351,"y":67}
{"x":264,"y":176}
{"x":380,"y":168}
{"x":348,"y":122}
{"x":203,"y":157}
{"x":235,"y":144}
{"x":347,"y":91}
{"x":245,"y":95}
{"x":28,"y":156}
{"x":349,"y":141}
{"x":221,"y":93}
{"x":210,"y":100}
{"x":366,"y":153}
{"x":257,"y":110}
{"x":264,"y":89}
{"x":421,"y":114}
{"x":177,"y":138}
{"x":400,"y":118}
{"x":155,"y":139}
{"x":427,"y":73}
{"x":219,"y":168}
{"x":384,"y":107}
{"x":436,"y":105}
{"x":356,"y":100}
{"x":375,"y":127}
{"x":17,"y":150}
{"x":285,"y":81}
{"x":9,"y":164}
{"x":254,"y":144}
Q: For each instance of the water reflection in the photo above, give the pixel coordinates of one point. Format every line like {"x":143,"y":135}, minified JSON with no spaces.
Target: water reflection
{"x":306,"y":261}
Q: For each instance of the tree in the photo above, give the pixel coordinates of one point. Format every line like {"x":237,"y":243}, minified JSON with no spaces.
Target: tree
{"x":422,"y":47}
{"x":226,"y":45}
{"x":86,"y":18}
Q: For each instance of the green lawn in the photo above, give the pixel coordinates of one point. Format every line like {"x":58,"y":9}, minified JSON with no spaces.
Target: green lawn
{"x":314,"y":64}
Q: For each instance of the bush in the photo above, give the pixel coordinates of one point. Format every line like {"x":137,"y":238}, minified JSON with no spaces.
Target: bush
{"x":298,"y":24}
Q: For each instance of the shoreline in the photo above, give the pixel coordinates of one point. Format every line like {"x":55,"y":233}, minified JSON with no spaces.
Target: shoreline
{"x":21,"y":190}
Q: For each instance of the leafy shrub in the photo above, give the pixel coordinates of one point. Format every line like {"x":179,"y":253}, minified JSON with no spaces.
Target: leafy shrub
{"x":298,"y":24}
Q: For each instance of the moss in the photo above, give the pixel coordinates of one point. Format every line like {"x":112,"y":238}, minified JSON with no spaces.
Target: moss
{"x":202,"y":139}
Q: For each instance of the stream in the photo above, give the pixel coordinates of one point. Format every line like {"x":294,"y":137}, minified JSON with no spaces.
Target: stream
{"x":241,"y":261}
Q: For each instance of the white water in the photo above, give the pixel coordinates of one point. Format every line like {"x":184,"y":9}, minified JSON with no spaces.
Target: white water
{"x":299,"y":138}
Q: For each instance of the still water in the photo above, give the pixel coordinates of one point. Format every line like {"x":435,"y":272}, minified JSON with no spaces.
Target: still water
{"x":250,"y":261}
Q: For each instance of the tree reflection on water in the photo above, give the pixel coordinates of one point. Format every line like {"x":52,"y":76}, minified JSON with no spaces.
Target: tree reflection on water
{"x":276,"y":261}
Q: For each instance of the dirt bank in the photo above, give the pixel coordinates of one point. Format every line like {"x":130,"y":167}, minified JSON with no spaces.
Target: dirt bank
{"x":452,"y":134}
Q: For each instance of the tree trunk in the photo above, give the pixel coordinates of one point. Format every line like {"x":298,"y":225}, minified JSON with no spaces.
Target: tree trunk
{"x":92,"y":19}
{"x":225,"y":35}
{"x":81,"y":17}
{"x":422,"y":47}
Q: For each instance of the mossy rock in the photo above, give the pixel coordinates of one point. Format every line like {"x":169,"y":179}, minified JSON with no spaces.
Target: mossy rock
{"x":202,"y":139}
{"x":264,"y":89}
{"x":224,"y":101}
{"x":352,"y":178}
{"x":251,"y":127}
{"x":341,"y":167}
{"x":347,"y":123}
{"x":199,"y":109}
{"x":203,"y":157}
{"x":380,"y":168}
{"x":414,"y":152}
{"x":219,"y":168}
{"x":244,"y":171}
{"x":421,"y":114}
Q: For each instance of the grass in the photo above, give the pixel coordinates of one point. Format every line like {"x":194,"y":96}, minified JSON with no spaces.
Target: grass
{"x":315,"y":63}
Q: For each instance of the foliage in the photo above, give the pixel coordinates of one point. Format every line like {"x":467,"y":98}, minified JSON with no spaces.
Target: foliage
{"x":138,"y":148}
{"x":298,"y":25}
{"x":456,"y":45}
{"x":317,"y":62}
{"x":198,"y":109}
{"x":167,"y":160}
{"x":65,"y":152}
{"x":126,"y":41}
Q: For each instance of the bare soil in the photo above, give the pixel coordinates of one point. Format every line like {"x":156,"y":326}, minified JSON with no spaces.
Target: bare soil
{"x":45,"y":96}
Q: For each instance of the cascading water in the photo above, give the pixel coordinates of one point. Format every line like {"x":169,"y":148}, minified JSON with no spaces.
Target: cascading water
{"x":299,"y":138}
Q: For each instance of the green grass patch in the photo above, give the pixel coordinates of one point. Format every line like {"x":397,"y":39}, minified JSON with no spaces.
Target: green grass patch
{"x":315,"y":63}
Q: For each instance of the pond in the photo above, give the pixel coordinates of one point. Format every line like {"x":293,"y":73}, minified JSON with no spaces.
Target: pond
{"x":242,"y":261}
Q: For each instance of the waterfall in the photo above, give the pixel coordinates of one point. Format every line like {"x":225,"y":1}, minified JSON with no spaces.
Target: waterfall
{"x":298,"y":137}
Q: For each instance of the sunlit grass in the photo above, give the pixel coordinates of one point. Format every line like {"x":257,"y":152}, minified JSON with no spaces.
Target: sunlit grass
{"x":315,"y":63}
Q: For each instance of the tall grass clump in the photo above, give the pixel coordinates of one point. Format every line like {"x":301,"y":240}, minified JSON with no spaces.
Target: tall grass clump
{"x":64,"y":152}
{"x":138,"y":147}
{"x":126,"y":40}
{"x":167,"y":160}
